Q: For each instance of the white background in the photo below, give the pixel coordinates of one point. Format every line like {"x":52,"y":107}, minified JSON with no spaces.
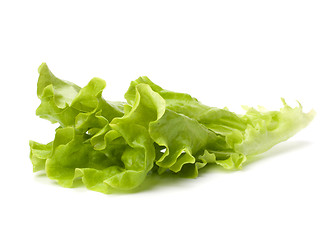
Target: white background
{"x":225,"y":53}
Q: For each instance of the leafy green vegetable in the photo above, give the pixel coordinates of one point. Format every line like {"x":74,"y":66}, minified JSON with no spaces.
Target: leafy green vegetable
{"x":115,"y":145}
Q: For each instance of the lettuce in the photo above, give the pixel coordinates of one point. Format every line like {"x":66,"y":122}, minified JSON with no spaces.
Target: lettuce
{"x":113,"y":146}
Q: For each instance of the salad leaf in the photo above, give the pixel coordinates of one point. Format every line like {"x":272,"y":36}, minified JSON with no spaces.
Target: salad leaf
{"x":249,"y":134}
{"x":69,"y":105}
{"x":113,"y":146}
{"x":268,"y":128}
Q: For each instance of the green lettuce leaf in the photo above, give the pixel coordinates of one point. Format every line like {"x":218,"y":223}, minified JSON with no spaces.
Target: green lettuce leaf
{"x":39,"y":153}
{"x":268,"y":128}
{"x":113,"y":146}
{"x":247,"y":135}
{"x":70,"y":105}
